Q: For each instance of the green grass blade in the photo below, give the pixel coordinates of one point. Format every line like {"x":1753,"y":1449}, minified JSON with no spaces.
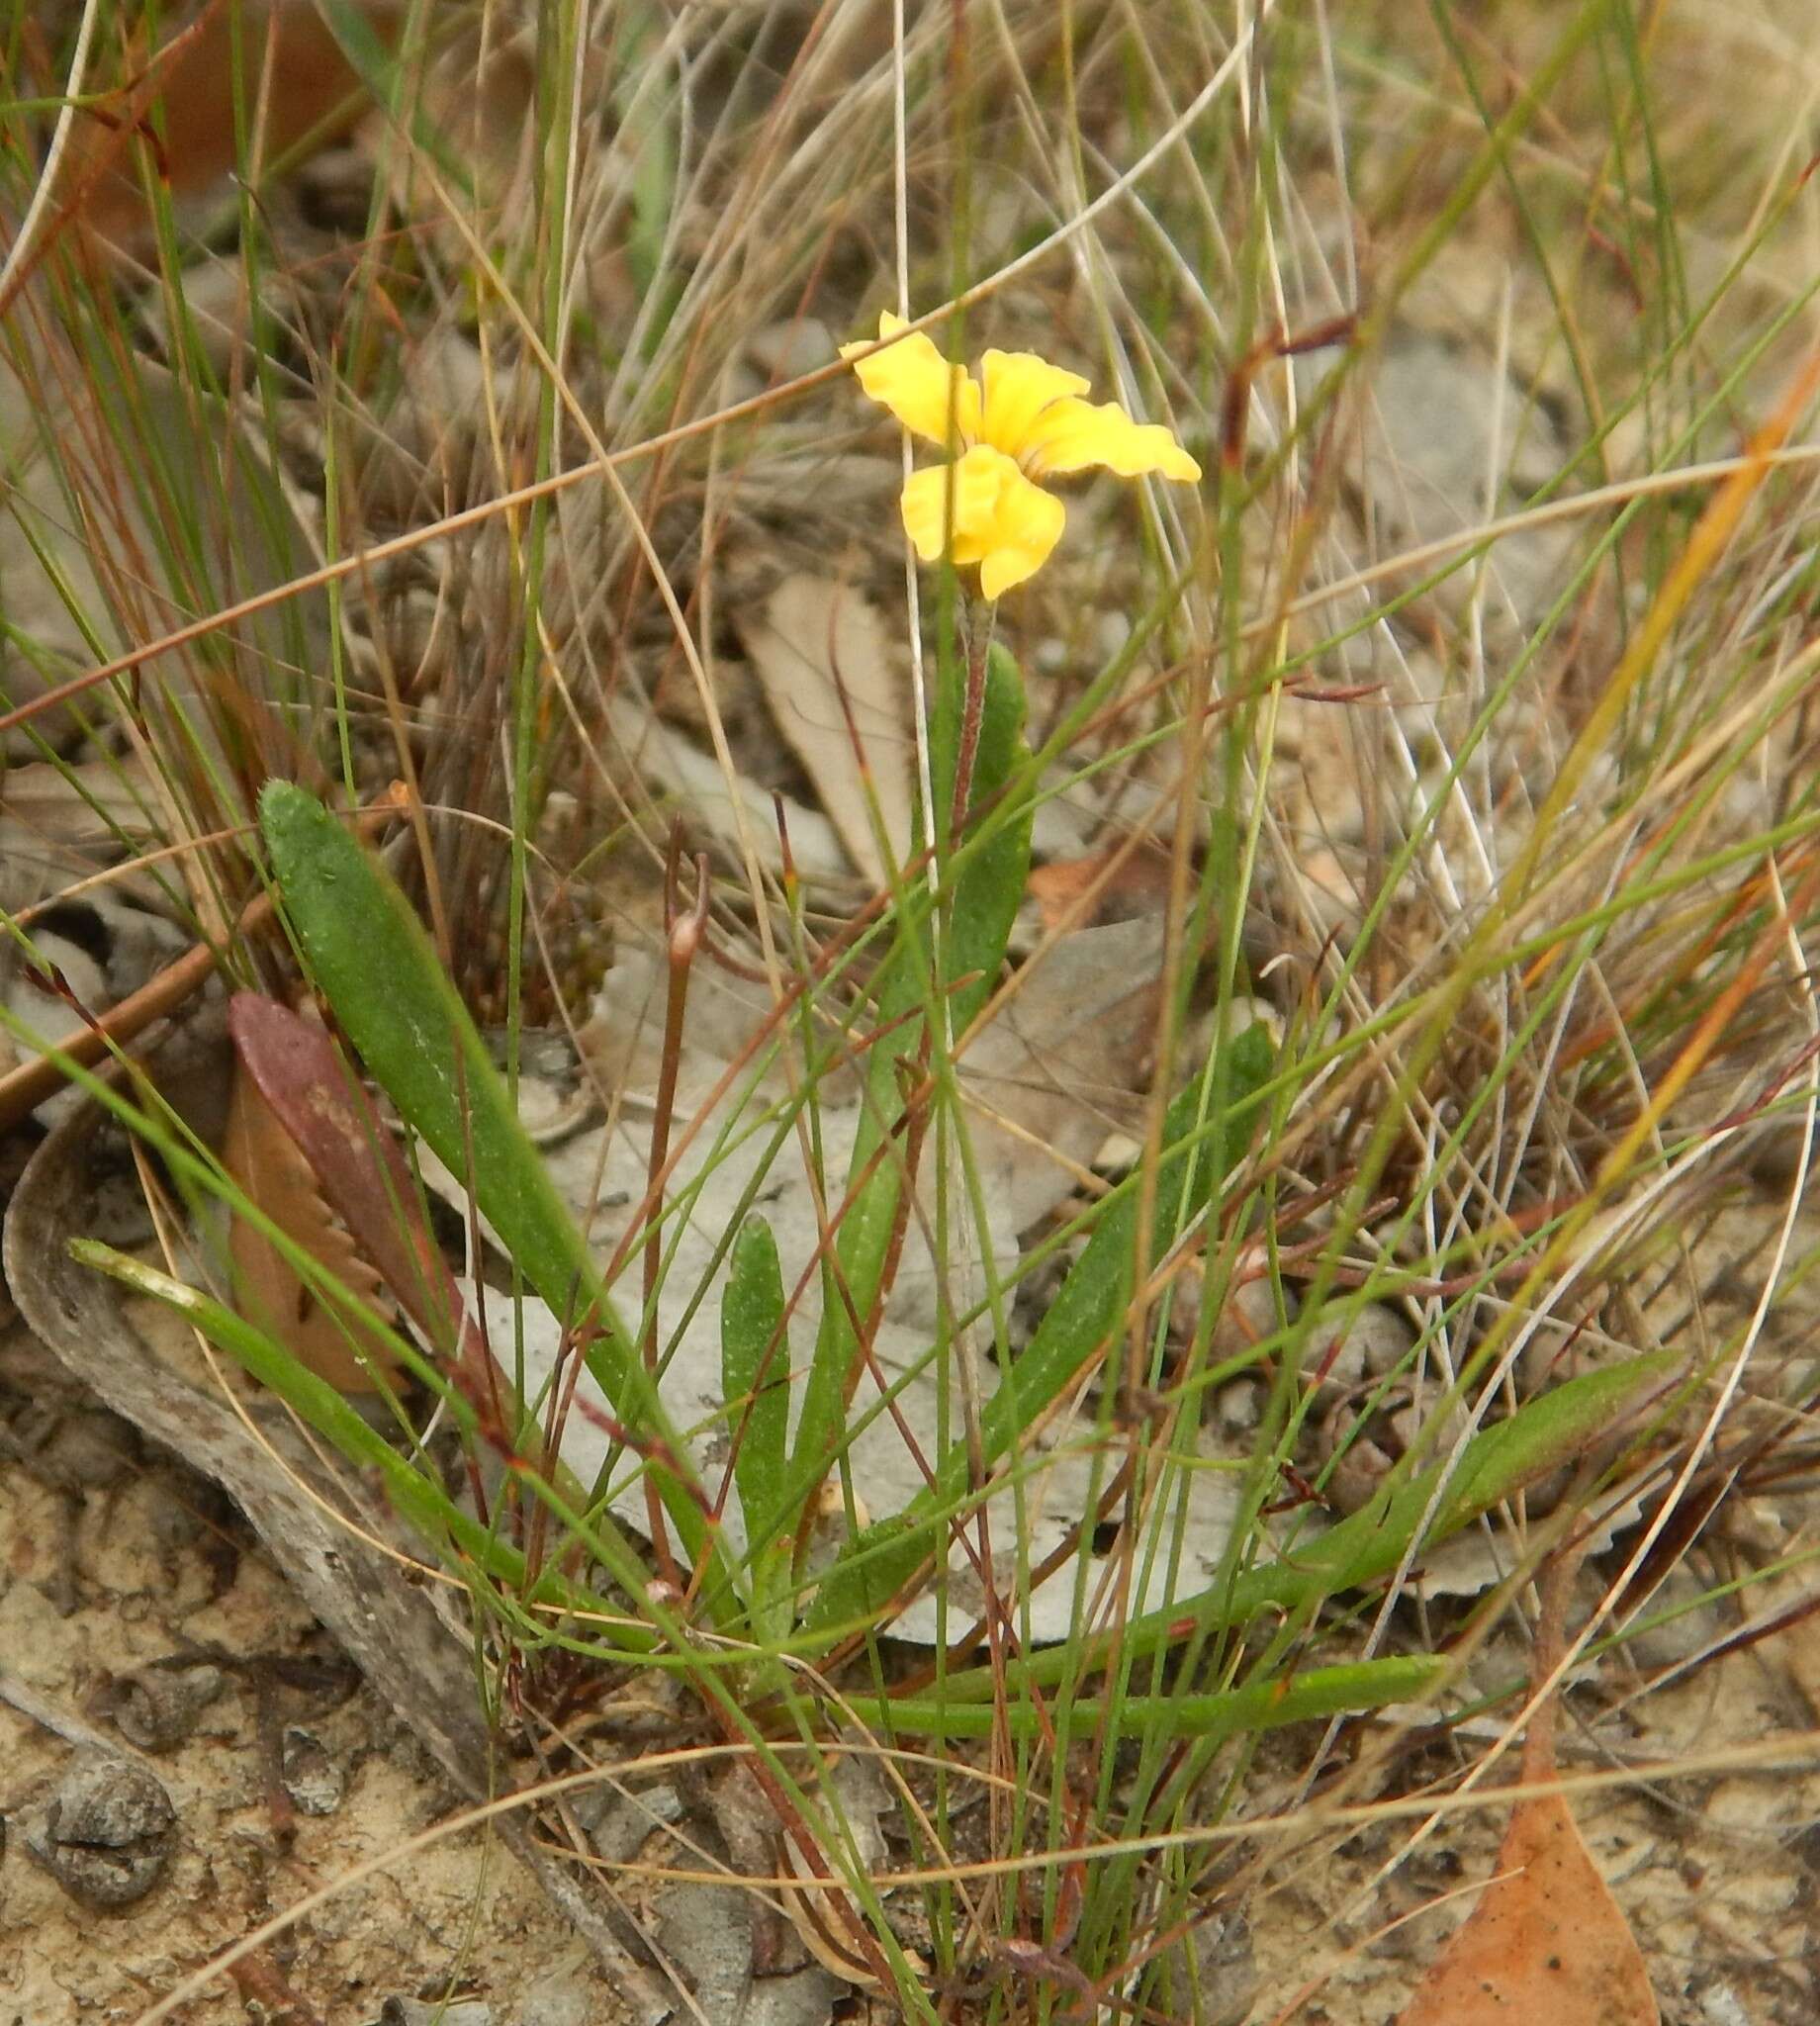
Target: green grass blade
{"x":1083,"y":1317}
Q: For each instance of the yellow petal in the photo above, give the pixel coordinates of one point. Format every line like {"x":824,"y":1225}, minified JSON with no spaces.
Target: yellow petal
{"x":1071,"y":435}
{"x":1000,"y":520}
{"x":918,"y":385}
{"x":1019,"y":386}
{"x":1029,"y":524}
{"x":975,"y":482}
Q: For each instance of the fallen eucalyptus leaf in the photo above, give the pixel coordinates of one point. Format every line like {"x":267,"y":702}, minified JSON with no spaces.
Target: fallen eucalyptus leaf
{"x":1546,"y":1941}
{"x":825,"y":661}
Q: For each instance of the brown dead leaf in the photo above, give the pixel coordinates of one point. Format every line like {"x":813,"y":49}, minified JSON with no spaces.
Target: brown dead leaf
{"x":185,"y":91}
{"x":267,"y":1163}
{"x":1547,"y":1942}
{"x":1106,"y":886}
{"x":824,"y":659}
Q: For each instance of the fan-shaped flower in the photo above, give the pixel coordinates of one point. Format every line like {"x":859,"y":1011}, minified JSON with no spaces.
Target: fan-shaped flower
{"x":1023,"y":421}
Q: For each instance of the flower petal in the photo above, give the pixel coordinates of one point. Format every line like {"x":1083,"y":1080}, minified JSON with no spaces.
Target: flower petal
{"x":976,"y":481}
{"x":1019,"y":386}
{"x":1071,"y":435}
{"x":918,"y":385}
{"x":1001,"y":521}
{"x":1029,"y":525}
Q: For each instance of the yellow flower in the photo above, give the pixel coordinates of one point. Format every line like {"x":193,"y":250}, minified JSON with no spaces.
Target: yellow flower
{"x":1024,"y":421}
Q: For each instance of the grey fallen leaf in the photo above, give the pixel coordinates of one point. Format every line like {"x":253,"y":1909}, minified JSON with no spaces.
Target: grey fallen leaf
{"x":825,"y":661}
{"x":674,"y":767}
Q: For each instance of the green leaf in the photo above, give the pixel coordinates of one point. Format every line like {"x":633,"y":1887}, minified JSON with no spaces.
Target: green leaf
{"x":755,"y":1374}
{"x":1261,"y":1705}
{"x":1371,"y":1543}
{"x":368,"y":953}
{"x":1081,"y":1319}
{"x":992,"y":875}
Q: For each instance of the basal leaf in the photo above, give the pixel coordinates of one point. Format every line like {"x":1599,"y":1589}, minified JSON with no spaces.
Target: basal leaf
{"x":755,"y":1366}
{"x":370,"y":959}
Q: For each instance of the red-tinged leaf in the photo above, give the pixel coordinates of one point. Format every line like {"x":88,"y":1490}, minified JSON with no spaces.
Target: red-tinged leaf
{"x":1547,"y":1943}
{"x":264,"y":1162}
{"x":353,"y":1158}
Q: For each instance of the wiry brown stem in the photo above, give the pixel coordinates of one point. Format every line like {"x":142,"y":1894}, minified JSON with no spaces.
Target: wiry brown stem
{"x":977,"y":620}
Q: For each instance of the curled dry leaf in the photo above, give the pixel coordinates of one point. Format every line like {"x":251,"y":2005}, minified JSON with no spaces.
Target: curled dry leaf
{"x":1547,"y":1942}
{"x":268,"y":1165}
{"x":321,"y":1103}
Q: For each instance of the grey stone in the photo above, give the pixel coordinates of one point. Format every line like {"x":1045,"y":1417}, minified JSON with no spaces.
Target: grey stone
{"x":313,"y":1779}
{"x":108,"y":1833}
{"x":156,"y":1709}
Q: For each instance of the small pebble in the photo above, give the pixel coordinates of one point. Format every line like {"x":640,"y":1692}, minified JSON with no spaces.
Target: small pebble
{"x":157,"y":1708}
{"x":313,"y":1779}
{"x":108,"y":1833}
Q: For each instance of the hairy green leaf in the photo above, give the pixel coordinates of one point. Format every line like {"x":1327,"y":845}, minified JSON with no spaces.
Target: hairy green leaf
{"x":370,"y":959}
{"x":755,"y":1368}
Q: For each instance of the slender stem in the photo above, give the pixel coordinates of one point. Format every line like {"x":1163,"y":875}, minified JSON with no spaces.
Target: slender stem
{"x":976,"y":621}
{"x":682,"y":938}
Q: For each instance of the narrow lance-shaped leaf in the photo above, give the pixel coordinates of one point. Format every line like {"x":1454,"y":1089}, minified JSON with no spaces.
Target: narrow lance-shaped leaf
{"x":755,"y":1365}
{"x":370,"y":956}
{"x":991,"y":877}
